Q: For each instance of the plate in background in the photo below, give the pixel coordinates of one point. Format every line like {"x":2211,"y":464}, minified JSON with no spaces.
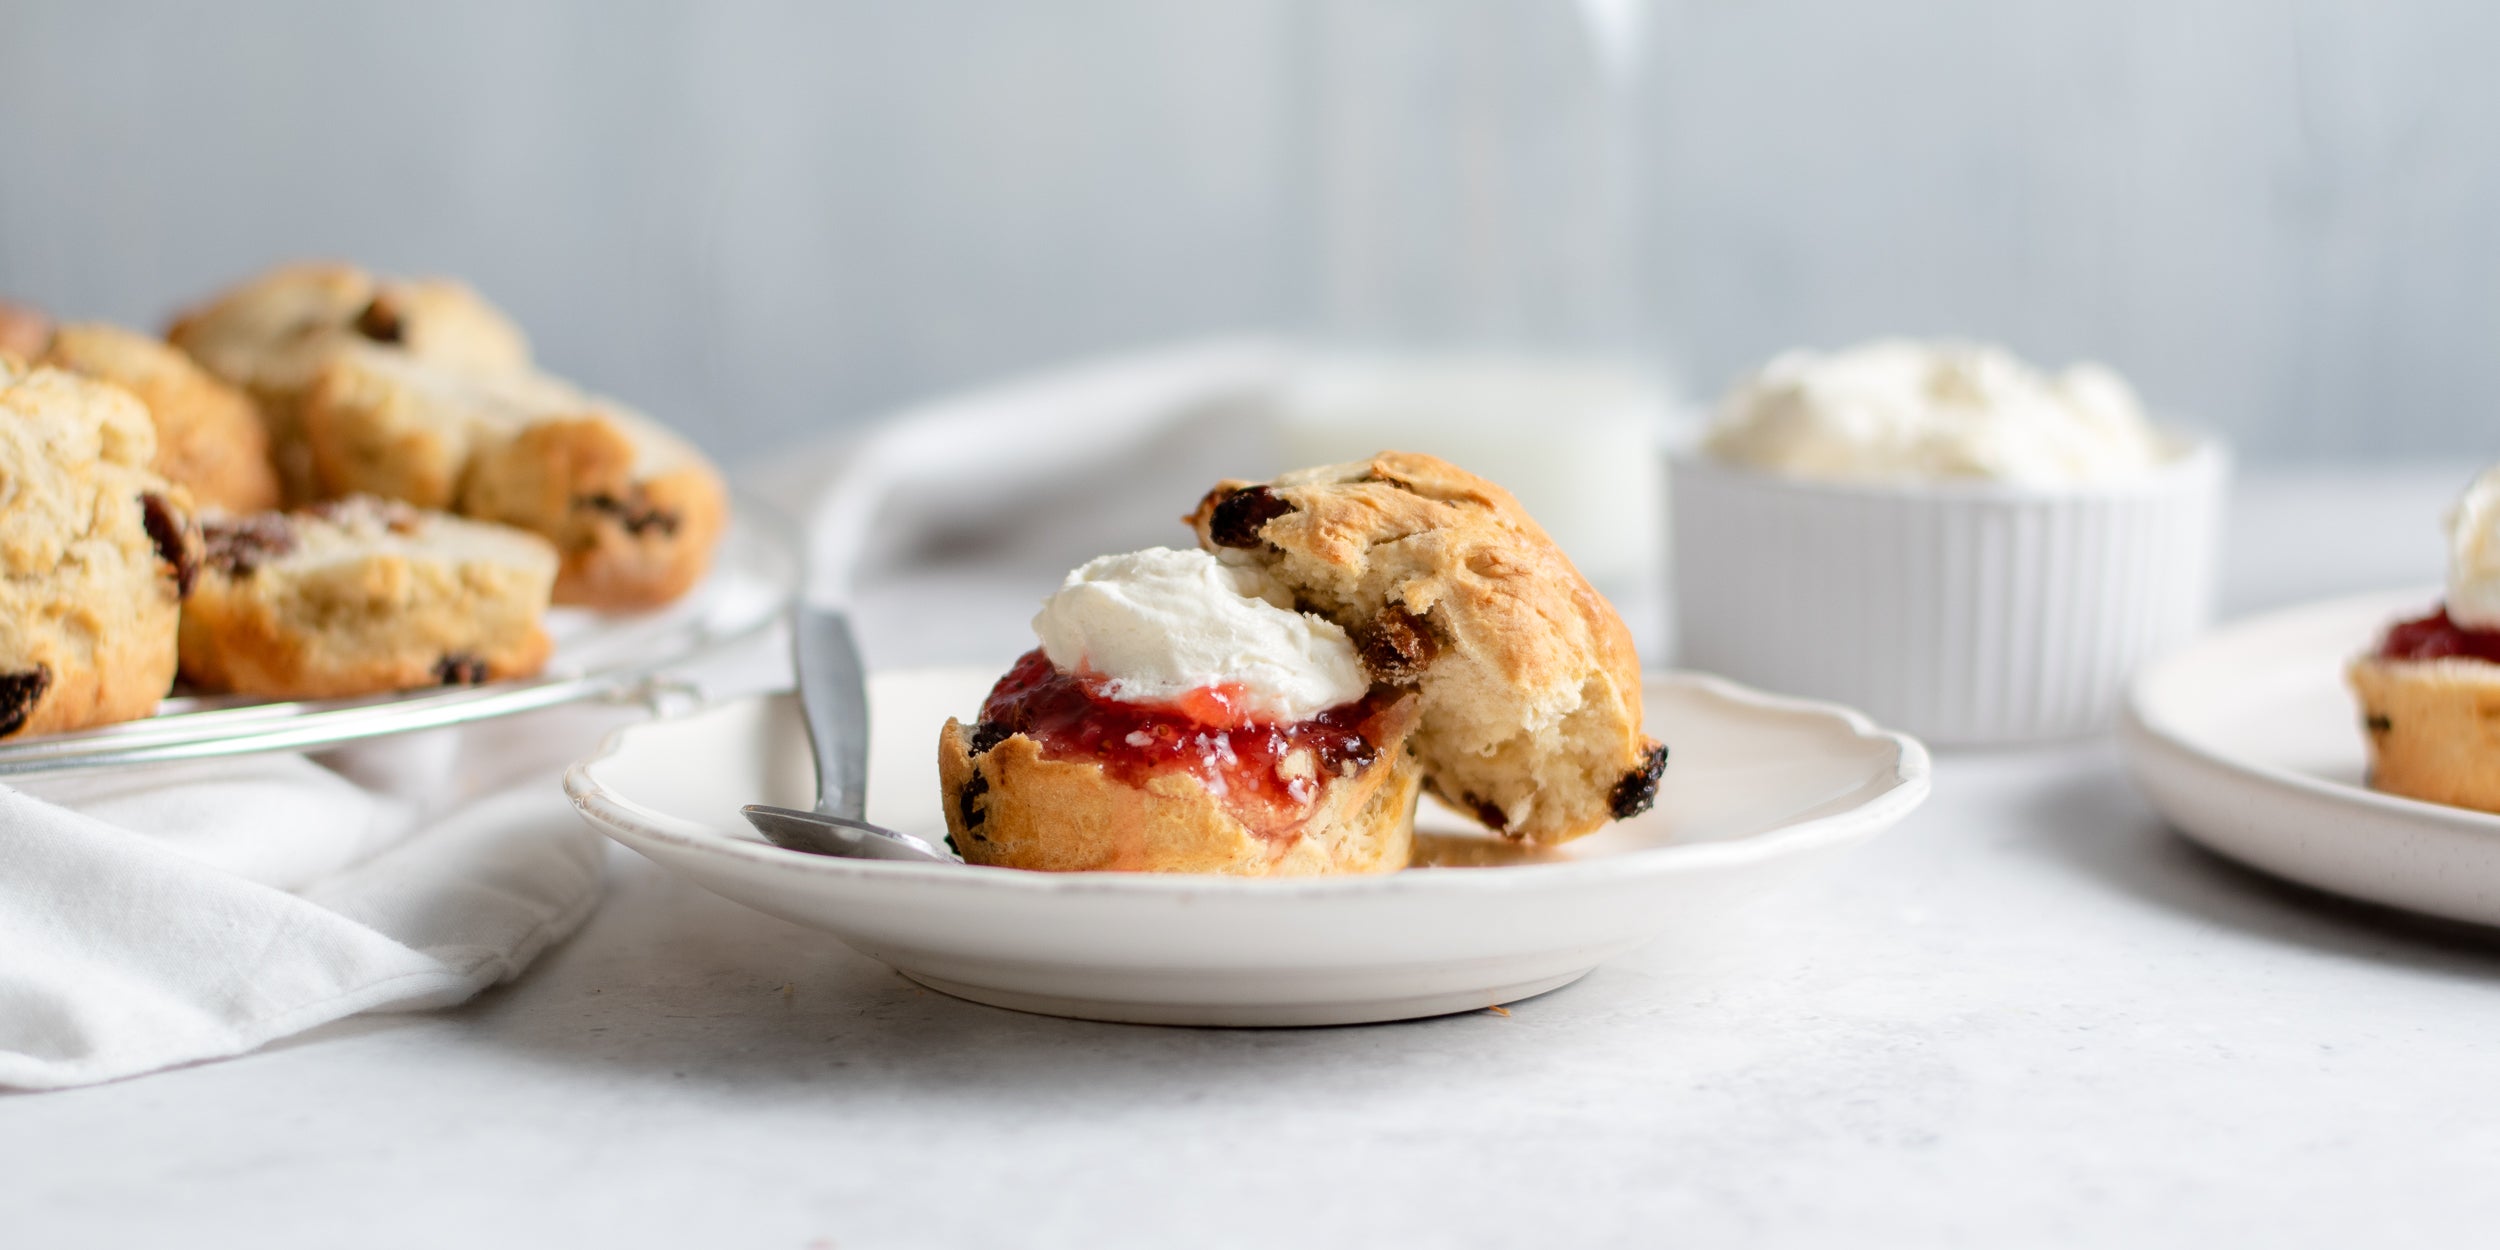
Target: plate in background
{"x":2250,"y":743}
{"x":1756,"y":788}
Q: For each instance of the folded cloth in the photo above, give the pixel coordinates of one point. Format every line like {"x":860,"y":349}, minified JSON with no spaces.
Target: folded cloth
{"x":160,"y":916}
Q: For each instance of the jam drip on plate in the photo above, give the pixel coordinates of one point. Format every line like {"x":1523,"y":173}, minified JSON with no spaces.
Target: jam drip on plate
{"x":1267,"y":774}
{"x":2435,"y":637}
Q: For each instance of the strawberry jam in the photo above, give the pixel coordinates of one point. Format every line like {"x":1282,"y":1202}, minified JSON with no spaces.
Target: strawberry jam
{"x":1267,"y":774}
{"x":2436,"y":637}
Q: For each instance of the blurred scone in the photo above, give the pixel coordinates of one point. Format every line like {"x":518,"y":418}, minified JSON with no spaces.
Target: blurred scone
{"x":273,"y":334}
{"x":23,"y":331}
{"x":2430,"y":690}
{"x":421,"y":391}
{"x":209,"y":437}
{"x":1181,"y":716}
{"x":632,"y":510}
{"x":363,"y":595}
{"x":2433,"y":726}
{"x":96,"y":550}
{"x":1530,"y":687}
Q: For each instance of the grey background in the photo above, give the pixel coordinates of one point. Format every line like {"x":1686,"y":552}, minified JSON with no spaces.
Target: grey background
{"x":766,"y":221}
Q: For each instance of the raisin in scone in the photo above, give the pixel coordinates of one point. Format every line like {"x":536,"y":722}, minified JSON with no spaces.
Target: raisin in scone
{"x":633,"y":511}
{"x":209,"y":436}
{"x":1181,"y":716}
{"x":363,"y":595}
{"x":96,"y":550}
{"x":1529,"y":684}
{"x":272,"y":336}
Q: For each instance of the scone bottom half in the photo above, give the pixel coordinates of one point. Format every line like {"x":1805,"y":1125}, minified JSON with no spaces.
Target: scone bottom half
{"x":2430,"y":709}
{"x":1529,"y":682}
{"x":1085,"y":786}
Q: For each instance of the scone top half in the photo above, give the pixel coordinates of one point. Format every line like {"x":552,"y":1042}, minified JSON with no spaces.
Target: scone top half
{"x":1529,"y":682}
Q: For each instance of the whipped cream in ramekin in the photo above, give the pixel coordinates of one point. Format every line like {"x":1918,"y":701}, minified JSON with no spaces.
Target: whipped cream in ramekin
{"x":1154,"y":625}
{"x":1899,"y":410}
{"x":2474,"y":554}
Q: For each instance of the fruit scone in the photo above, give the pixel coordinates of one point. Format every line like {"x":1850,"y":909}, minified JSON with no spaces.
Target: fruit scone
{"x":420,"y":391}
{"x":272,"y":335}
{"x":96,"y":552}
{"x":363,"y":595}
{"x":2430,"y":690}
{"x":1270,"y":705}
{"x":633,"y":510}
{"x":1181,"y":716}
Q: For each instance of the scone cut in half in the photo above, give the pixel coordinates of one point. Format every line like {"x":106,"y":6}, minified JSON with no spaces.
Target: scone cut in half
{"x":96,"y":549}
{"x":360,"y":596}
{"x":1271,"y":704}
{"x":419,"y":390}
{"x":1181,"y":716}
{"x":1528,"y":685}
{"x":2430,"y":690}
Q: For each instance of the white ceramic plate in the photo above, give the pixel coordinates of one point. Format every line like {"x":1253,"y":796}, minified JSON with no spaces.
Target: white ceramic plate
{"x":2250,"y":743}
{"x":1756,"y":787}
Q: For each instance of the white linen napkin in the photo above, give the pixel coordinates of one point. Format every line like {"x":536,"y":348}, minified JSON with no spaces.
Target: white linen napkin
{"x":166,"y":915}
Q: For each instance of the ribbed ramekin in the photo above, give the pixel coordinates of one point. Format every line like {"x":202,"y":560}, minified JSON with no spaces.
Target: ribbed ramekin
{"x":1968,"y":613}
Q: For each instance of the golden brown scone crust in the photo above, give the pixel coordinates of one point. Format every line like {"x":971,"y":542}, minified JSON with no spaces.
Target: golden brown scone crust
{"x":1531,"y":686}
{"x":24,"y":331}
{"x":272,"y":335}
{"x":2433,"y":727}
{"x":364,"y":596}
{"x":634,"y":513}
{"x":1009,"y":807}
{"x":94,"y":551}
{"x":209,"y":436}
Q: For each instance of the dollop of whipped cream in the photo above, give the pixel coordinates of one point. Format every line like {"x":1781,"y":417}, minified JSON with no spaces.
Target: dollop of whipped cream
{"x":2474,"y":554}
{"x":1900,"y":410}
{"x":1151,"y":626}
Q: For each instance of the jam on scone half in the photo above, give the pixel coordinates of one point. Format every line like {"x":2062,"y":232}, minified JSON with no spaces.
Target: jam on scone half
{"x":1271,"y":705}
{"x":1181,"y":716}
{"x":2430,"y":690}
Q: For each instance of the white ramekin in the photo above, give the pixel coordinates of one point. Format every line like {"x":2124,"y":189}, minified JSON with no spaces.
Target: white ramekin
{"x":1966,"y":613}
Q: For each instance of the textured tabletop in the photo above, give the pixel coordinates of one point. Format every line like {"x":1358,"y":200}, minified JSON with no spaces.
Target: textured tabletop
{"x":2030,"y":1016}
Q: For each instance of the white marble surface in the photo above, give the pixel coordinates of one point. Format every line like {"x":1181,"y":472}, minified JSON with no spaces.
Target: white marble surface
{"x":2031,"y":1016}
